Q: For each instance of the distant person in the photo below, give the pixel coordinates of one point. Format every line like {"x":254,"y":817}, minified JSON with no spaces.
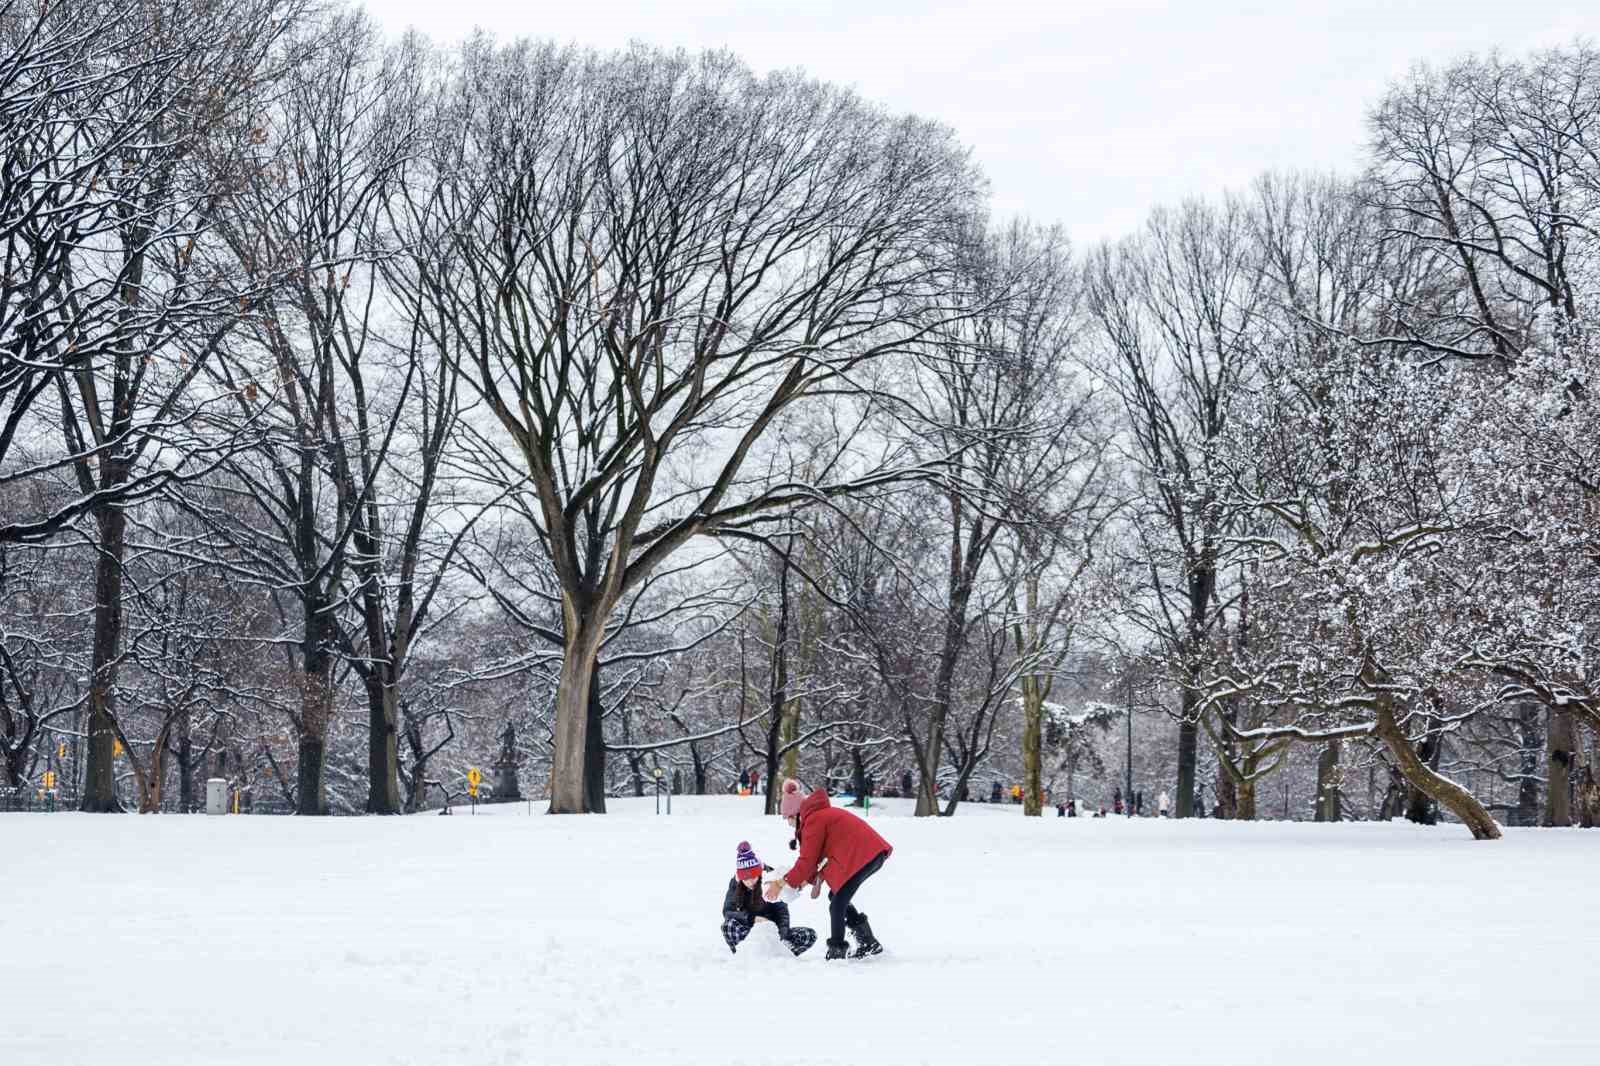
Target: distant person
{"x":1138,"y":803}
{"x":744,"y":781}
{"x":1072,"y":808}
{"x":1016,"y":793}
{"x":844,"y":850}
{"x":755,"y":781}
{"x":743,"y":906}
{"x":994,"y":793}
{"x":906,"y":784}
{"x":1164,"y":802}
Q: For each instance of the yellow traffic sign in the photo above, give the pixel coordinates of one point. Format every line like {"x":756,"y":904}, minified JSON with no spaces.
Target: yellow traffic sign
{"x":116,"y":748}
{"x":473,"y":780}
{"x":61,"y":750}
{"x":49,"y":779}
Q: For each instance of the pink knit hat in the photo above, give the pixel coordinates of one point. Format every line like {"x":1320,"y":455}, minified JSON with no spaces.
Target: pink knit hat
{"x":789,"y":806}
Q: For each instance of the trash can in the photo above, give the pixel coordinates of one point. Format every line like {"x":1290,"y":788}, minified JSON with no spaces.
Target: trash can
{"x":217,"y":795}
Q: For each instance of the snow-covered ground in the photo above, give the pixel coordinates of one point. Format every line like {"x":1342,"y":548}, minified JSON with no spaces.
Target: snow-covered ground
{"x":505,"y":938}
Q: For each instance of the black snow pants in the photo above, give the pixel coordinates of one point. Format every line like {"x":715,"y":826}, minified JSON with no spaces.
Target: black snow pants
{"x":840,"y":911}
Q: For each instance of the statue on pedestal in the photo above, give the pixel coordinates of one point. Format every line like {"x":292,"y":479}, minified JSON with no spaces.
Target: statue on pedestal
{"x":505,"y":768}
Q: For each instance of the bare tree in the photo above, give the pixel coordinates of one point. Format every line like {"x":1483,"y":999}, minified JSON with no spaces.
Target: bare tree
{"x":167,"y":307}
{"x":1177,"y":309}
{"x":645,"y":261}
{"x":331,"y":397}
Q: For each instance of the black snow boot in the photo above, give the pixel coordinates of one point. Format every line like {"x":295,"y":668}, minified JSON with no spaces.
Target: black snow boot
{"x":866,"y":943}
{"x":800,"y":939}
{"x":837,"y":950}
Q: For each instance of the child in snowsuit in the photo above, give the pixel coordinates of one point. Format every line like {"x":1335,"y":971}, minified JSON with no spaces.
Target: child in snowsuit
{"x":847,"y":851}
{"x":743,"y":905}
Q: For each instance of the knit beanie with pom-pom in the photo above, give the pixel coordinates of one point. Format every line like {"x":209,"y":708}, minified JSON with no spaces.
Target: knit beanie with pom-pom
{"x":745,"y":861}
{"x":789,"y":806}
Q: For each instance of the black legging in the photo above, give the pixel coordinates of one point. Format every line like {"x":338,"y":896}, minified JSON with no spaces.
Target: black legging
{"x":840,"y":912}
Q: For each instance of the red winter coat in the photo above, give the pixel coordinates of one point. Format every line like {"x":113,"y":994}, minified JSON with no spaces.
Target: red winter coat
{"x":826,"y":832}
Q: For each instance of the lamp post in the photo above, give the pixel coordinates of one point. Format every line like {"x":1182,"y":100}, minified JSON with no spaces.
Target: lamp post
{"x":1127,"y":791}
{"x":661,"y":783}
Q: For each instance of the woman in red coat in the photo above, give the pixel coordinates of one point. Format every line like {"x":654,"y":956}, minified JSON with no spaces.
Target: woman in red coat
{"x":846,"y":851}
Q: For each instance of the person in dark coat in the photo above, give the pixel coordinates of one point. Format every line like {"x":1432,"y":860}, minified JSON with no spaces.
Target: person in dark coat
{"x":743,"y":904}
{"x":845,"y":851}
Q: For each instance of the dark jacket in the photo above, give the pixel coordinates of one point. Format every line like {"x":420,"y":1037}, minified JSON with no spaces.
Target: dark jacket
{"x":748,"y":903}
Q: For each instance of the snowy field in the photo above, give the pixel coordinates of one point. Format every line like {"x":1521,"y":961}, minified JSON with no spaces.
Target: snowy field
{"x":505,"y":938}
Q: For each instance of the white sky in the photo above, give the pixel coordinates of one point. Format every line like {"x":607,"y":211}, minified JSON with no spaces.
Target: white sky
{"x":1084,"y":113}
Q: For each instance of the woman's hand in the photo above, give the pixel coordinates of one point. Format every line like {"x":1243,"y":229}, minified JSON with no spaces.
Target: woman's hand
{"x":773,"y":891}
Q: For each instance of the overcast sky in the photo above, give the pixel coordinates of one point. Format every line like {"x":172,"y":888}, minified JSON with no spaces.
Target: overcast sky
{"x":1084,"y":113}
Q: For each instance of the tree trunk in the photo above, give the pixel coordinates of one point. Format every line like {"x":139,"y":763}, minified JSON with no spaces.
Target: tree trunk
{"x":927,"y":797}
{"x":1245,"y":800}
{"x":417,"y":794}
{"x":958,"y":789}
{"x":383,"y":752}
{"x":778,"y":696}
{"x":100,"y":780}
{"x":417,"y":772}
{"x":1562,"y":746}
{"x":1588,"y":796}
{"x":594,"y":747}
{"x":1188,"y":750}
{"x":1394,"y":796}
{"x":699,"y":770}
{"x":150,"y":783}
{"x":1032,"y":726}
{"x":931,"y":753}
{"x":858,"y":777}
{"x":1527,"y":812}
{"x":791,"y":730}
{"x":569,"y":791}
{"x":309,"y":796}
{"x":955,"y":627}
{"x":1420,"y":807}
{"x":1457,"y":800}
{"x":316,"y":713}
{"x":1329,"y":805}
{"x":1589,"y":786}
{"x":1227,"y":794}
{"x":185,"y":764}
{"x":1226,"y":787}
{"x":772,"y":783}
